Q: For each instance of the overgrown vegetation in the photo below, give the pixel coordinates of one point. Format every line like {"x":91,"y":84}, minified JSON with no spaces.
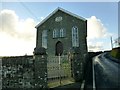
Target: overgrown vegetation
{"x":116,"y":53}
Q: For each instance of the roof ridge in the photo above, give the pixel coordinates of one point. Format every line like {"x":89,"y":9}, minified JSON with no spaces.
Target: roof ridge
{"x":63,"y":10}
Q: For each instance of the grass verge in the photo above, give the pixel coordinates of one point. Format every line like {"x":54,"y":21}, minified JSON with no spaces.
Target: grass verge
{"x":116,"y":53}
{"x":56,"y":83}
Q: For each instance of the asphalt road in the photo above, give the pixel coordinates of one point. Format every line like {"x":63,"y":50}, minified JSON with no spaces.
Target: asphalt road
{"x":106,"y":72}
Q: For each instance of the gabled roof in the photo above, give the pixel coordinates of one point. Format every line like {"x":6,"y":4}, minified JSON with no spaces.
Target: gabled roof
{"x":63,"y":10}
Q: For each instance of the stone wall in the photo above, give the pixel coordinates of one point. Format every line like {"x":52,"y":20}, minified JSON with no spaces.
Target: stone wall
{"x":32,"y":72}
{"x":18,"y":72}
{"x":24,"y":72}
{"x":77,"y":64}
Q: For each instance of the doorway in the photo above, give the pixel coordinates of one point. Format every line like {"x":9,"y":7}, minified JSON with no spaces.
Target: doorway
{"x":58,"y":48}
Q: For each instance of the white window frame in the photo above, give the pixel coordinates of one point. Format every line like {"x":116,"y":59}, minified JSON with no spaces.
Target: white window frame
{"x":62,"y":32}
{"x":59,"y":33}
{"x":75,"y":36}
{"x":44,"y":39}
{"x":55,"y":33}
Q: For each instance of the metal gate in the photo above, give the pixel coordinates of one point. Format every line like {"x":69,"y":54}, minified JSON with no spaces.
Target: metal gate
{"x":58,"y":67}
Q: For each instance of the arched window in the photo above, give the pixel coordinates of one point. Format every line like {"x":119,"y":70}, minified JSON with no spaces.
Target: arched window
{"x":44,"y":38}
{"x":75,"y":37}
{"x":55,"y":33}
{"x":62,"y":32}
{"x":58,"y":33}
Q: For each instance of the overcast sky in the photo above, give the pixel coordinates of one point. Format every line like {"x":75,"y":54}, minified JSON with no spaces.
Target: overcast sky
{"x":18,"y":21}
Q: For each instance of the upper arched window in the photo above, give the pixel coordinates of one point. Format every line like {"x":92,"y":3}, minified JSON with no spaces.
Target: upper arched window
{"x":62,"y":32}
{"x":55,"y":33}
{"x":58,"y":33}
{"x":75,"y":37}
{"x":44,"y":38}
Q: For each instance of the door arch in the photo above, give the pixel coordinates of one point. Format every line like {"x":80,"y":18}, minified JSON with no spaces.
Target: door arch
{"x":59,"y":48}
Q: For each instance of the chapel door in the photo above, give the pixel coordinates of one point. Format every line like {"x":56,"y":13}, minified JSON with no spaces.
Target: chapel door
{"x":58,"y":48}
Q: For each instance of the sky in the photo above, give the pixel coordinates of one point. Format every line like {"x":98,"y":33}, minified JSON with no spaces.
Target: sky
{"x":18,"y":21}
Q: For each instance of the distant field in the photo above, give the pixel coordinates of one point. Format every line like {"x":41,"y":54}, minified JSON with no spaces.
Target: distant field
{"x":116,"y":52}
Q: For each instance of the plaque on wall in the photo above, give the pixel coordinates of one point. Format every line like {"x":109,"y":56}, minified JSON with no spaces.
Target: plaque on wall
{"x":58,"y":19}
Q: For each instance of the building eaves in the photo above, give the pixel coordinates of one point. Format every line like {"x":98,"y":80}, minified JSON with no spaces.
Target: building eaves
{"x":63,"y":10}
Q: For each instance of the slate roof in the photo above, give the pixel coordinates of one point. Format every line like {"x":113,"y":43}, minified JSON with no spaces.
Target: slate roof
{"x":63,"y":10}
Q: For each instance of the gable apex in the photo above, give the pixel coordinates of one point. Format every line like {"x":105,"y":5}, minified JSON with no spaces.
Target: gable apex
{"x":56,"y":10}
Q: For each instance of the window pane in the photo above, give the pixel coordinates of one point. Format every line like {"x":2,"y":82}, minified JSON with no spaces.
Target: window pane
{"x":75,"y":38}
{"x":44,"y":38}
{"x":61,"y":32}
{"x":55,"y":33}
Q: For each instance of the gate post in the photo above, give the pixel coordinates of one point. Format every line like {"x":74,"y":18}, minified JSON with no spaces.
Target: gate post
{"x":40,"y":66}
{"x":77,"y":64}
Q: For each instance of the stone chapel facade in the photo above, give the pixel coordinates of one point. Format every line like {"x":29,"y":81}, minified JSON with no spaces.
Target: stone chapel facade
{"x":63,"y":33}
{"x":62,"y":28}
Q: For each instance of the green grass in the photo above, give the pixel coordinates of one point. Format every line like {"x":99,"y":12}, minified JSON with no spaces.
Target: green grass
{"x":56,"y":83}
{"x":116,"y":53}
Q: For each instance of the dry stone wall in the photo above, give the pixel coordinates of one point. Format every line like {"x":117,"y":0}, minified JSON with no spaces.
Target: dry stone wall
{"x":18,"y":72}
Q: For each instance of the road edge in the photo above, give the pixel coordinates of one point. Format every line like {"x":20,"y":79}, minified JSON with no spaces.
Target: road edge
{"x":94,"y":88}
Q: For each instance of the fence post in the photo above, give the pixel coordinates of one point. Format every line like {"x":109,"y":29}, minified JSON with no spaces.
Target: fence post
{"x":40,"y":64}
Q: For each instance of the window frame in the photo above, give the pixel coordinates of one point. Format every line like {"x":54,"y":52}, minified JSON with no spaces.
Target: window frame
{"x":62,"y":32}
{"x":59,"y":33}
{"x":44,"y":39}
{"x":75,"y":36}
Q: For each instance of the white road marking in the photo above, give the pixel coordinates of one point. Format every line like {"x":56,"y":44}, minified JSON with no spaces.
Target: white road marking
{"x":82,"y":85}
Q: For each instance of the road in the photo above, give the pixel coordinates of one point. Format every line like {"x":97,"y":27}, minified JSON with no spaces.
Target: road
{"x":106,"y":72}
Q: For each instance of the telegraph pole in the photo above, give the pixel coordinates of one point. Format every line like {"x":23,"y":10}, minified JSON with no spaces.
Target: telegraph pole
{"x":111,"y":42}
